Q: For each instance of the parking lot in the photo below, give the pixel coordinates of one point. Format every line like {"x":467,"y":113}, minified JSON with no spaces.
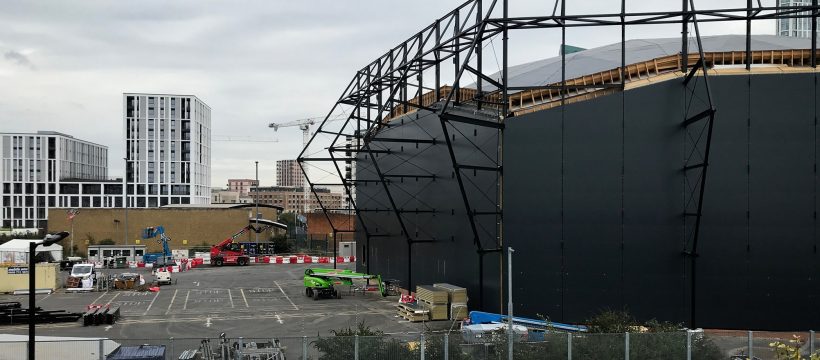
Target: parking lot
{"x":260,"y":300}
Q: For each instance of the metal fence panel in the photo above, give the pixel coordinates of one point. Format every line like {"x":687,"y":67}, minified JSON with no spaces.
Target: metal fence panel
{"x":648,"y":346}
{"x":598,"y":346}
{"x":717,"y":347}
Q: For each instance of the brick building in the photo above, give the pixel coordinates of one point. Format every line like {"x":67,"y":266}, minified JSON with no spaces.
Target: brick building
{"x":292,"y":199}
{"x":186,"y":225}
{"x":242,"y":186}
{"x":288,"y":173}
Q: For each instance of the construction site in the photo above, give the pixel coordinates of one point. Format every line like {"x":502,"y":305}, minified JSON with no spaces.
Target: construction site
{"x":653,"y":198}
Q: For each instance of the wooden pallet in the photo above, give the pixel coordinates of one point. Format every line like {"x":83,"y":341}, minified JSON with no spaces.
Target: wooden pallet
{"x":413,"y":313}
{"x":455,"y":294}
{"x":72,"y":282}
{"x":431,"y":295}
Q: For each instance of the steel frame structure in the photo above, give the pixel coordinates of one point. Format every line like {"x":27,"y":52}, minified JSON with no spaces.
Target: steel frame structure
{"x":397,"y":82}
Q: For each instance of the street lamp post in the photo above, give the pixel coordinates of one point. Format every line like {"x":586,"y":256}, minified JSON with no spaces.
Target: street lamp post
{"x":257,"y":202}
{"x":510,"y":252}
{"x":32,"y":251}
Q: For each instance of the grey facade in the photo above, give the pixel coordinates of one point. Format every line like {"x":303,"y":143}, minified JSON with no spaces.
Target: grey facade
{"x":593,"y":196}
{"x":795,"y":27}
{"x":49,"y":169}
{"x":168,"y":149}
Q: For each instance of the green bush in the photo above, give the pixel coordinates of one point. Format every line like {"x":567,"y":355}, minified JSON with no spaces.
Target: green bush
{"x":372,"y":345}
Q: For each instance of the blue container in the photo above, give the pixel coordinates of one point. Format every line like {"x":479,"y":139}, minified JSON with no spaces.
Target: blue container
{"x":142,"y":352}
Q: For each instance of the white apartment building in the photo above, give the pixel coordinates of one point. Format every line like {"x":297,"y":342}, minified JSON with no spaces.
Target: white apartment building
{"x":796,"y":27}
{"x":168,"y":149}
{"x":49,"y":169}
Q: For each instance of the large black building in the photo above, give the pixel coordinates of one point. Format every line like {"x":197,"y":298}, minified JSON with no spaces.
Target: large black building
{"x":600,"y":189}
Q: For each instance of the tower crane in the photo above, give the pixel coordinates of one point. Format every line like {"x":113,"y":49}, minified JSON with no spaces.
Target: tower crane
{"x":304,"y":125}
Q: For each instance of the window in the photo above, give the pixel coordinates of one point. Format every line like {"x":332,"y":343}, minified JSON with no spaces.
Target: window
{"x":107,"y":253}
{"x":126,"y":253}
{"x":138,"y":252}
{"x":92,"y":253}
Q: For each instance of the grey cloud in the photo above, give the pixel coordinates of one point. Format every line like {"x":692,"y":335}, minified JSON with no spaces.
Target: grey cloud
{"x":19,"y":59}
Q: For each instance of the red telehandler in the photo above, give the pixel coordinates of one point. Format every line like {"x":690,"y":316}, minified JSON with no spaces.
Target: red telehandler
{"x":228,"y":252}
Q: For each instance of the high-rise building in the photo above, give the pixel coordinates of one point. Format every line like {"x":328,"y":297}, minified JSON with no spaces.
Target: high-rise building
{"x":288,"y":173}
{"x":168,"y":149}
{"x":795,"y":27}
{"x":50,"y":169}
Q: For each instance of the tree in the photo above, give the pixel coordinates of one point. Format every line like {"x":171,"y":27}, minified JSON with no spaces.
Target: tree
{"x":107,"y":242}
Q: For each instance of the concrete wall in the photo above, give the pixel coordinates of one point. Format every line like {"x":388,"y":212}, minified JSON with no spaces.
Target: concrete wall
{"x":194,"y":226}
{"x":47,"y":278}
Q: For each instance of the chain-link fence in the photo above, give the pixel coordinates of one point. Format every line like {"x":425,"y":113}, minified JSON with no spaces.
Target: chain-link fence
{"x":691,"y":345}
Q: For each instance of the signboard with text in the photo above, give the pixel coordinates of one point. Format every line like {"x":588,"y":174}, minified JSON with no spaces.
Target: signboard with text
{"x":18,"y":270}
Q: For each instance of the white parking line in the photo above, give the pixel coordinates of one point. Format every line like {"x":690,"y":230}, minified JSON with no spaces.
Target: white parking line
{"x":185,"y":306}
{"x":286,"y":296}
{"x":230,"y":297}
{"x":244,"y":298}
{"x":151,"y":304}
{"x":172,"y":302}
{"x":99,"y":297}
{"x":112,"y":299}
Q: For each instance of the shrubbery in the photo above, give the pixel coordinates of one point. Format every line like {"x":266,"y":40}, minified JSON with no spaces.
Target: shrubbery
{"x":605,"y":340}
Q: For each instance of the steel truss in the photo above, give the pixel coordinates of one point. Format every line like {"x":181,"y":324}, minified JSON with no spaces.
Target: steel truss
{"x":408,"y":78}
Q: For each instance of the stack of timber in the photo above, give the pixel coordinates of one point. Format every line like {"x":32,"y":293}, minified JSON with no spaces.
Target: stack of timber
{"x":12,"y":313}
{"x":413,"y":312}
{"x":455,"y":294}
{"x":457,"y":297}
{"x":431,"y":295}
{"x":433,"y":299}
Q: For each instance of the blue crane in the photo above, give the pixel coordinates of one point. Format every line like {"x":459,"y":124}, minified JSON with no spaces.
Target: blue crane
{"x":160,"y":259}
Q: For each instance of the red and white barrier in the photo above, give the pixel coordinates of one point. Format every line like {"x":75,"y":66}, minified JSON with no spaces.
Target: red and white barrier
{"x":286,"y":259}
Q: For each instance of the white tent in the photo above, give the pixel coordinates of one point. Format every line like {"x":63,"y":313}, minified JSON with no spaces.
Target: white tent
{"x":16,"y":251}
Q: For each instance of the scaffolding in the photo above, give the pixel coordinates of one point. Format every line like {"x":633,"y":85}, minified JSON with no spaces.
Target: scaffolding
{"x":409,"y":78}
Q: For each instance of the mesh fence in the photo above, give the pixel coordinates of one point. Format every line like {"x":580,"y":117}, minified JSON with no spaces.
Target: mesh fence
{"x":431,"y":346}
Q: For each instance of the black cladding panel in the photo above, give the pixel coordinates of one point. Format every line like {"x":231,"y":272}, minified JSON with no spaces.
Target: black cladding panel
{"x":594,"y":195}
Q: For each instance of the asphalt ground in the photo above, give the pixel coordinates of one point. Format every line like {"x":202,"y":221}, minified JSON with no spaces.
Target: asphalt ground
{"x":259,"y":300}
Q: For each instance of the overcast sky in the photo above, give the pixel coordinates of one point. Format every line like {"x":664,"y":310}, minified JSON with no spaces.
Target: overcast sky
{"x":65,"y":64}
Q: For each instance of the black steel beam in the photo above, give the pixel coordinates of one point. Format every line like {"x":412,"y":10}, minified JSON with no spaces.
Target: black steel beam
{"x":410,"y":176}
{"x":471,"y":121}
{"x":478,"y":167}
{"x":399,"y":140}
{"x":692,"y":72}
{"x":699,"y":116}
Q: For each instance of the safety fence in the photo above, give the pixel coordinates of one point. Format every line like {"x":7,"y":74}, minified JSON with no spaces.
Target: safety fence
{"x":689,"y":345}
